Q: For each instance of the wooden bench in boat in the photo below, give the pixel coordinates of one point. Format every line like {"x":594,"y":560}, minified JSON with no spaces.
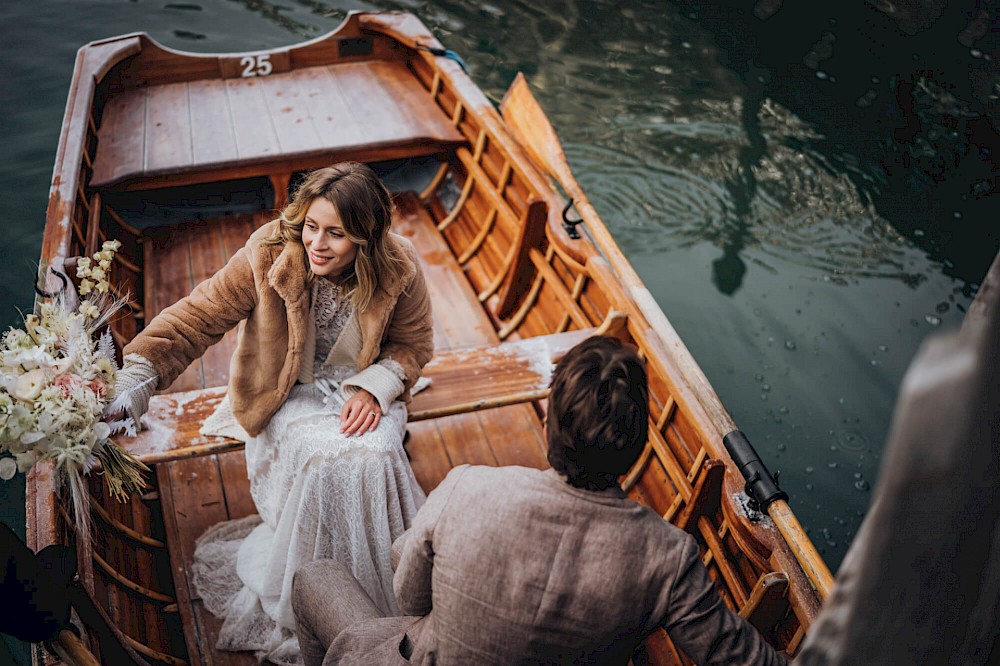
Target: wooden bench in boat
{"x":462,"y":381}
{"x":183,"y":133}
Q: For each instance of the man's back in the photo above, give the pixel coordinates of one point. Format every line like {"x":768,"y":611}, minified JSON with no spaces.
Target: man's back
{"x":516,"y":565}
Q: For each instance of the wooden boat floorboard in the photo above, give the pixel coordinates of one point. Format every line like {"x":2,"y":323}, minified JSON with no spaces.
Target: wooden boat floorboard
{"x":199,"y":492}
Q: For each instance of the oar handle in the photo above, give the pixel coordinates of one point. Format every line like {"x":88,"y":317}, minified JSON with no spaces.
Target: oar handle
{"x":812,"y":564}
{"x":71,"y":650}
{"x":761,"y":486}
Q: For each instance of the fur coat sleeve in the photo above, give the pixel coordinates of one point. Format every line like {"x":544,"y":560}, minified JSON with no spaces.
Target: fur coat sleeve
{"x":181,"y":333}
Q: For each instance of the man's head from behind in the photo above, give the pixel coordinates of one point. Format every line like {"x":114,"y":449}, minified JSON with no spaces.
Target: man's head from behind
{"x":598,"y":412}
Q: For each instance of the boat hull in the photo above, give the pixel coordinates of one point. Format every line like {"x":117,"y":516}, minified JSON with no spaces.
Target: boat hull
{"x":507,"y":279}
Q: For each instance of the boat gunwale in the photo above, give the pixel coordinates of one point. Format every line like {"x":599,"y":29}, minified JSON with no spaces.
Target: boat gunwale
{"x":353,"y":17}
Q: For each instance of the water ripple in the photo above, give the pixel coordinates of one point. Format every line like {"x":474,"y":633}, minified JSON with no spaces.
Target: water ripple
{"x":663,"y":184}
{"x":653,"y":206}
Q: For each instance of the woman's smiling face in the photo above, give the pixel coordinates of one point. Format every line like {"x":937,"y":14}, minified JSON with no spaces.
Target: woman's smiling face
{"x":329,"y":249}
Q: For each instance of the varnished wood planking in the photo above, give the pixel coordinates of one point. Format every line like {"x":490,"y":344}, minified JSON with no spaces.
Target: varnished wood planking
{"x":174,"y":514}
{"x":428,"y":455}
{"x":198,"y":490}
{"x":209,"y":626}
{"x":252,"y":125}
{"x":237,"y":229}
{"x":212,"y":135}
{"x":502,"y":436}
{"x":458,"y":320}
{"x":458,"y":323}
{"x":329,"y":108}
{"x":124,"y":606}
{"x":429,"y":121}
{"x":371,"y":103}
{"x":122,"y":135}
{"x":168,"y":130}
{"x":290,"y":114}
{"x":465,"y":440}
{"x":517,"y":438}
{"x":149,"y":570}
{"x":199,"y":502}
{"x":208,"y":255}
{"x":168,"y":279}
{"x":354,"y":107}
{"x":236,"y":484}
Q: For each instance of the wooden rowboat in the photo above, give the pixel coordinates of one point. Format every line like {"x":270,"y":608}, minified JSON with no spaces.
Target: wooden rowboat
{"x":180,"y":156}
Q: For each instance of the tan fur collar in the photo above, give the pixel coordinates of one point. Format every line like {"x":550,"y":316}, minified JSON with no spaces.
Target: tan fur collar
{"x":290,"y":272}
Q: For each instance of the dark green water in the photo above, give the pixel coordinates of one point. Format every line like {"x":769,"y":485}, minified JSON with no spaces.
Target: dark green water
{"x":754,"y":172}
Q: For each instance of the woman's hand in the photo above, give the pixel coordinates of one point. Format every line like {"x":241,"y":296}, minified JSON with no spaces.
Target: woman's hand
{"x":134,"y":385}
{"x":361,"y":413}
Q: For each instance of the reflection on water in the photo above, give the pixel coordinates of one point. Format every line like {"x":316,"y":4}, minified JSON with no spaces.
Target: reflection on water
{"x":798,"y":256}
{"x":707,"y":181}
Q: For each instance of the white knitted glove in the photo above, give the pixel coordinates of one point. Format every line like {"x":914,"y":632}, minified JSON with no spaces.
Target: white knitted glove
{"x":134,"y":385}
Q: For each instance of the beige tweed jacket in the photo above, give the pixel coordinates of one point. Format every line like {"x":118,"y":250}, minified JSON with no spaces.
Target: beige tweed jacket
{"x":512,"y":565}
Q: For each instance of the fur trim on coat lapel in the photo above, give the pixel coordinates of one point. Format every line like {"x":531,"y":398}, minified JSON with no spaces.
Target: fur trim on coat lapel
{"x":289,"y":274}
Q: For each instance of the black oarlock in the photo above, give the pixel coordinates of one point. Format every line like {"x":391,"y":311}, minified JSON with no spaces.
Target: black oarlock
{"x":761,"y":486}
{"x":570,"y":225}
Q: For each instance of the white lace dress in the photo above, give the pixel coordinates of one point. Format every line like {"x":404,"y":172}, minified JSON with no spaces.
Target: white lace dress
{"x":320,"y":494}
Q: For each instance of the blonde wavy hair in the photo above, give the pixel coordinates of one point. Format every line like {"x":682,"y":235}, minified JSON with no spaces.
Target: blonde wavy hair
{"x":365,"y":208}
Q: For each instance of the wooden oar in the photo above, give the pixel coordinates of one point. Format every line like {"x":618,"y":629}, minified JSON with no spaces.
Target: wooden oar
{"x":528,"y":123}
{"x":71,"y":650}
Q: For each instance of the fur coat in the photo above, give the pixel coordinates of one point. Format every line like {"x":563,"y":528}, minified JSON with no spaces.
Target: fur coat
{"x":265,"y":289}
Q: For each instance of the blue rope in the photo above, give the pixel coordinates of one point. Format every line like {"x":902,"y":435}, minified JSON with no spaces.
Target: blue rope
{"x":447,"y":53}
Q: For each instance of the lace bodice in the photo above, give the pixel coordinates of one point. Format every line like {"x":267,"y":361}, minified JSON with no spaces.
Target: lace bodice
{"x":332,"y":314}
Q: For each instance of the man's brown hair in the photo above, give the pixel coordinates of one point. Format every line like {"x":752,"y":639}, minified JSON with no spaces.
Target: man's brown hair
{"x":598,"y":412}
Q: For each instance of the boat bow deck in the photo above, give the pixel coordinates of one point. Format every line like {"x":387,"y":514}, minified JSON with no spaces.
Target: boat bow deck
{"x":176,"y":133}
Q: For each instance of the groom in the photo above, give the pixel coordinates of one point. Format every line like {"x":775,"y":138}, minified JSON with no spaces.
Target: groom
{"x":515,"y":565}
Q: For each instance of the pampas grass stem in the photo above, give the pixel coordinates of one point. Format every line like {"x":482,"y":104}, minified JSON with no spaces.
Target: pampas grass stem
{"x":123,"y":472}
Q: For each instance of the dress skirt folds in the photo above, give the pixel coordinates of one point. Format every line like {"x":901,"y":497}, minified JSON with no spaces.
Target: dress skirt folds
{"x":320,"y":494}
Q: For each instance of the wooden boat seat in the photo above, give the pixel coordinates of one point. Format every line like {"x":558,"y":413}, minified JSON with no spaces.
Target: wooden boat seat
{"x":462,"y":381}
{"x":211,"y":130}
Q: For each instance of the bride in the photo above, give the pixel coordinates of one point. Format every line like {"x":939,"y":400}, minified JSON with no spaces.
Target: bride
{"x":335,"y":326}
